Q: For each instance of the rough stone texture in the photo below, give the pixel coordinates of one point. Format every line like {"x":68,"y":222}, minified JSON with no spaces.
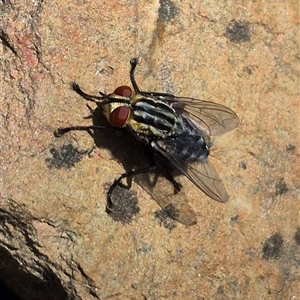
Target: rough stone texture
{"x":57,"y":242}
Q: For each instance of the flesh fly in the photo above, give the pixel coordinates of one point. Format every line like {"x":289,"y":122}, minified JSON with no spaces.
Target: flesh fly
{"x":177,"y":129}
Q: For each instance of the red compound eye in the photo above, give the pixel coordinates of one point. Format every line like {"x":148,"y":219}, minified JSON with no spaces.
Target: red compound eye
{"x":119,"y":116}
{"x":124,"y":91}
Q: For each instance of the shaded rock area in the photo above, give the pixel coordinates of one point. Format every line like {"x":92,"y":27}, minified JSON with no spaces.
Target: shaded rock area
{"x":57,"y":240}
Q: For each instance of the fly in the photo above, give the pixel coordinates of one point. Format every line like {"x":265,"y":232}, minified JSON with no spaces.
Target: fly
{"x":177,"y":129}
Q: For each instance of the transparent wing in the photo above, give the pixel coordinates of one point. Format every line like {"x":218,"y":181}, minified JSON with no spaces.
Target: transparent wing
{"x":209,"y":117}
{"x":218,"y":118}
{"x":201,"y":173}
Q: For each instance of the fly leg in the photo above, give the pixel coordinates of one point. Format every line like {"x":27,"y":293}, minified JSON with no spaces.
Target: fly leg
{"x":61,"y":131}
{"x":110,"y":205}
{"x":168,"y":173}
{"x":160,"y":96}
{"x":177,"y":186}
{"x":75,"y":87}
{"x":133,"y":63}
{"x":152,"y":166}
{"x":148,"y":152}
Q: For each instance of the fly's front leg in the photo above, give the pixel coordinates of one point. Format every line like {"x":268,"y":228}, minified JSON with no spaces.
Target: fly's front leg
{"x":61,"y":131}
{"x":75,"y":87}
